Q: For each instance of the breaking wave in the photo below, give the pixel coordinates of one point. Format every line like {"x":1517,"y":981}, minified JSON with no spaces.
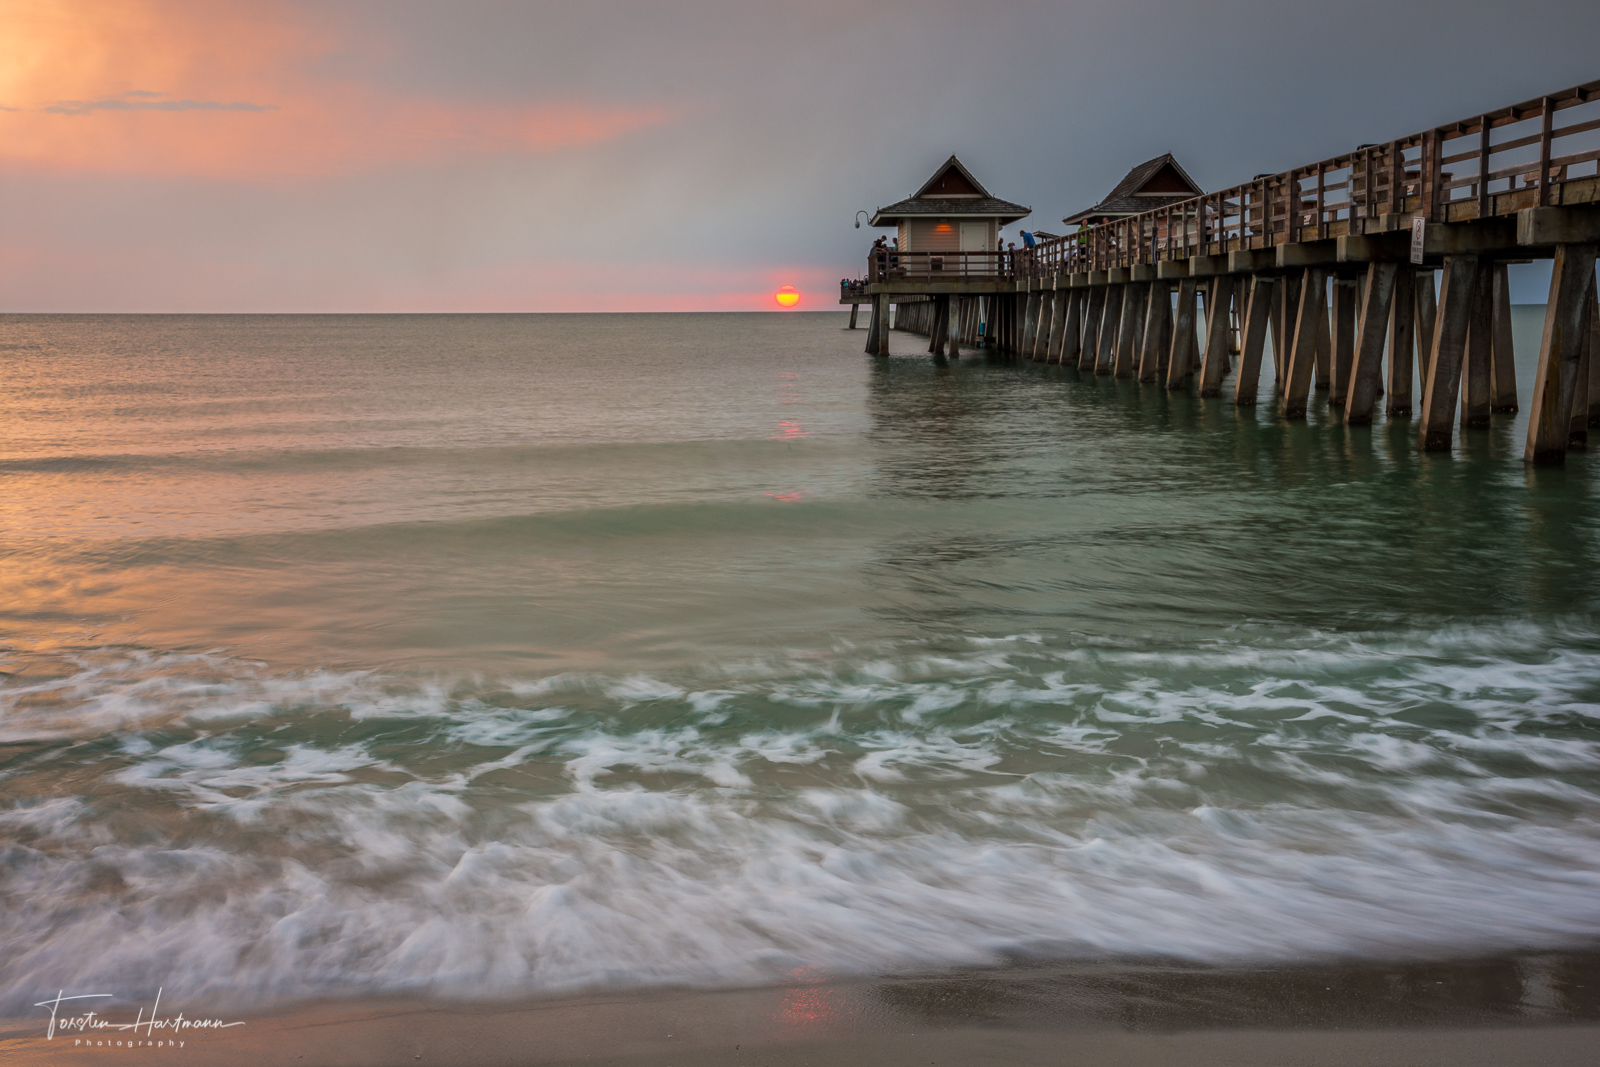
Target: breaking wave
{"x":221,"y":829}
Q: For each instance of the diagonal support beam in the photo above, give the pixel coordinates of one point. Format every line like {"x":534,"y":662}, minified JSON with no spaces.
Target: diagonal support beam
{"x":1109,"y":319}
{"x":1457,"y":287}
{"x":1095,"y":311}
{"x":1257,"y":317}
{"x":1592,"y":358}
{"x":1377,"y":297}
{"x":1344,"y":340}
{"x":1303,"y":354}
{"x":1072,"y":329}
{"x":1157,"y":339}
{"x":1128,"y":330}
{"x":1181,"y":357}
{"x":1218,"y":336}
{"x":1041,"y":328}
{"x":1402,"y":346}
{"x":1058,"y":319}
{"x":1560,"y":354}
{"x":1583,"y":395}
{"x":952,"y":315}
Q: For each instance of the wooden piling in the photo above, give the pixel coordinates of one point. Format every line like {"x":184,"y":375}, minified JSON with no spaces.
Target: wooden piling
{"x":1093,"y":315}
{"x":1284,"y":320}
{"x":941,"y":307}
{"x":1592,"y":358}
{"x":1256,"y":322}
{"x":1115,"y":325}
{"x":1503,"y":384}
{"x":1366,"y":369}
{"x":1072,"y":329}
{"x":1036,"y":303}
{"x":1344,"y":341}
{"x":853,"y":309}
{"x":877,"y":334}
{"x":1303,"y":356}
{"x":1477,"y":370}
{"x":1109,"y":319}
{"x":1157,"y":333}
{"x":1181,"y":355}
{"x":1141,"y":294}
{"x":1215,"y":361}
{"x":1042,"y":328}
{"x":953,"y":314}
{"x":1276,"y":329}
{"x":1058,"y":316}
{"x":1236,"y":318}
{"x":1324,"y":343}
{"x":1127,"y":331}
{"x":1582,"y":393}
{"x":1232,"y":313}
{"x":1402,"y":346}
{"x":1457,"y":287}
{"x":1426,"y":312}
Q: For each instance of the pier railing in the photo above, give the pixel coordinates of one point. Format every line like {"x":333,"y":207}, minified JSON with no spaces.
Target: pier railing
{"x":1451,"y":173}
{"x":892,"y":265}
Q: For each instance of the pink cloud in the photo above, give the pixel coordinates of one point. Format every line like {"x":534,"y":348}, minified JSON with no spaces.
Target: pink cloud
{"x":230,"y":92}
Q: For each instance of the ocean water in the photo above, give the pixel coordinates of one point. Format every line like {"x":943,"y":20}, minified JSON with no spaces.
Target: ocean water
{"x":503,"y":655}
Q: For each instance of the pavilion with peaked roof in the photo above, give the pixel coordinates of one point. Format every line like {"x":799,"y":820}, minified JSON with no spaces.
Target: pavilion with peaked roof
{"x":952,"y":212}
{"x":1154,"y":183}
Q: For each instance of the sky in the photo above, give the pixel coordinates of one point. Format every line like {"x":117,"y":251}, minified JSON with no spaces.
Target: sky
{"x":620,"y":155}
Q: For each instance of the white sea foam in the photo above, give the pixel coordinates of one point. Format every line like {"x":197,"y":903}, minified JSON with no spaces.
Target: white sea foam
{"x":251,"y":834}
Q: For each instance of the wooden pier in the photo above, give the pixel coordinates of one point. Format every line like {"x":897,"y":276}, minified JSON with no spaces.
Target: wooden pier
{"x":1335,"y":262}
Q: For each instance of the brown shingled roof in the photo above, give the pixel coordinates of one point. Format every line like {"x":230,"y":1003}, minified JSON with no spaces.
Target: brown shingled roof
{"x":1129,"y":197}
{"x":987,"y":206}
{"x":928,"y":201}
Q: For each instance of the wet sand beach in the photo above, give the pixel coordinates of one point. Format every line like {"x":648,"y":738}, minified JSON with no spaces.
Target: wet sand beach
{"x":1523,"y":1009}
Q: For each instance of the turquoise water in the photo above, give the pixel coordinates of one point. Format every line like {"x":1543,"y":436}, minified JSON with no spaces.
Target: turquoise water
{"x":494,"y":655}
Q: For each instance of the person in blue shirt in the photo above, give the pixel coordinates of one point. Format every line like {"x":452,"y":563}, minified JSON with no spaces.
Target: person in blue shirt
{"x":1027,"y":239}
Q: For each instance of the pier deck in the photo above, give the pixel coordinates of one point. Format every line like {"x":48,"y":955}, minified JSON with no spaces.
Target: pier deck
{"x":1335,"y":261}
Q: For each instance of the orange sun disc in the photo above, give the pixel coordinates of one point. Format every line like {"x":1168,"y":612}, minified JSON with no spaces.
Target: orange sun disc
{"x":788,"y":296}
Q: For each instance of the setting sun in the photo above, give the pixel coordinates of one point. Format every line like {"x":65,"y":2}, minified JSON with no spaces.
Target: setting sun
{"x":788,"y":296}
